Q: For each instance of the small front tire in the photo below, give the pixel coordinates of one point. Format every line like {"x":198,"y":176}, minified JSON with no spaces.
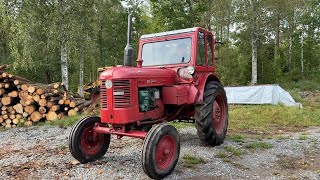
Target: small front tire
{"x":161,"y":149}
{"x":84,"y":144}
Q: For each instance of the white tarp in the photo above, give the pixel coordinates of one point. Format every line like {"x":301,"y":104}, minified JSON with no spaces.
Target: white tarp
{"x":262,"y":94}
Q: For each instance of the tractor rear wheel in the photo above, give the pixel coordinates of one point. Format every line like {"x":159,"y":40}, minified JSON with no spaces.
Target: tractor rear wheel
{"x":85,"y":145}
{"x":161,"y":149}
{"x":212,"y":117}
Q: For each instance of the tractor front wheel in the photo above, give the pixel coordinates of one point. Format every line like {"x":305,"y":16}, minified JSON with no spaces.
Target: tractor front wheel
{"x":212,"y":117}
{"x":161,"y":149}
{"x":86,"y":145}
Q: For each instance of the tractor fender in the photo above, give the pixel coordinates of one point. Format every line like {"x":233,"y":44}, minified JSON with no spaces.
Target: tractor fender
{"x":202,"y":84}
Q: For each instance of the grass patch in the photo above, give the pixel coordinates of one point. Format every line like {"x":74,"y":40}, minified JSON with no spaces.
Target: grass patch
{"x":234,"y":151}
{"x":303,"y":137}
{"x":236,"y":138}
{"x":267,"y":118}
{"x":181,"y":125}
{"x":67,"y":121}
{"x":282,"y":137}
{"x":258,"y":145}
{"x":191,"y":161}
{"x":62,"y":147}
{"x":221,"y":154}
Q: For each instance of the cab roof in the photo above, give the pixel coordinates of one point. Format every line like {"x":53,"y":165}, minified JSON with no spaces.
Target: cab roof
{"x":180,"y":31}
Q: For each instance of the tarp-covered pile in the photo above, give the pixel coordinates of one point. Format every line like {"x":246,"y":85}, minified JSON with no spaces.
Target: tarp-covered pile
{"x":262,"y":94}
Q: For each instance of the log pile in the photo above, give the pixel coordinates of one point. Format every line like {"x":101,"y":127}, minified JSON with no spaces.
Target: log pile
{"x":24,"y":103}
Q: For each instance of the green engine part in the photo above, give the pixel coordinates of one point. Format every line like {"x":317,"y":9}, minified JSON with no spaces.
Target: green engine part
{"x":146,"y":101}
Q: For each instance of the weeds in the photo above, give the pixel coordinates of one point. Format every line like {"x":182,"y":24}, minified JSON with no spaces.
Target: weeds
{"x":282,"y":137}
{"x":233,"y":151}
{"x":181,"y":125}
{"x":267,"y":118}
{"x":258,"y":145}
{"x":67,"y":121}
{"x":191,"y":161}
{"x":221,"y":154}
{"x":236,"y":138}
{"x":303,"y":137}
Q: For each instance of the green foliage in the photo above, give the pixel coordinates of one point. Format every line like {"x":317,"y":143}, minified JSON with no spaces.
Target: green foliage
{"x":191,"y":161}
{"x":181,"y":125}
{"x":234,"y":151}
{"x":31,"y":33}
{"x":303,"y":137}
{"x":67,"y":121}
{"x":236,"y":138}
{"x":266,"y":118}
{"x":258,"y":145}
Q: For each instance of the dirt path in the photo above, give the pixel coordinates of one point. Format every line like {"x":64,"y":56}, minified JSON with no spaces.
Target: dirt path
{"x":42,"y":153}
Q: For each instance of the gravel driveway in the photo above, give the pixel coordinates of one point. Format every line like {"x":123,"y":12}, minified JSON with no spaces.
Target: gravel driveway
{"x":41,"y":152}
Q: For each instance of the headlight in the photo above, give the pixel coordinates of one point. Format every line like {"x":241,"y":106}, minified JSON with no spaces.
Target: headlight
{"x":108,"y":84}
{"x":191,"y":70}
{"x":186,"y":72}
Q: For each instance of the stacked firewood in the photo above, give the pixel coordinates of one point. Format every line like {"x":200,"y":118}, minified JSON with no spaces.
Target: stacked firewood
{"x":25,"y":103}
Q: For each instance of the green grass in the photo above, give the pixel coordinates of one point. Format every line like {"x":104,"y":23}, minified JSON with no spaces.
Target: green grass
{"x":191,"y":161}
{"x":181,"y":125}
{"x":258,"y":145}
{"x":236,"y":138}
{"x":67,"y":121}
{"x":303,"y":137}
{"x":221,"y":154}
{"x":234,"y":151}
{"x":266,"y":118}
{"x":282,"y":137}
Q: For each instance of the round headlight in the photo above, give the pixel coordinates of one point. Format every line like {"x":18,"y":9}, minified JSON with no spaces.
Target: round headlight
{"x":191,"y":70}
{"x":108,"y":84}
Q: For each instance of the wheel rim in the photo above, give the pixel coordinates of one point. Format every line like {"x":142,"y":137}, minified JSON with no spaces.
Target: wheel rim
{"x":165,"y":152}
{"x":219,"y":113}
{"x":91,"y":143}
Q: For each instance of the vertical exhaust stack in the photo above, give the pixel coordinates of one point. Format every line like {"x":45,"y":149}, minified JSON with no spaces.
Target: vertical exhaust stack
{"x":128,"y":50}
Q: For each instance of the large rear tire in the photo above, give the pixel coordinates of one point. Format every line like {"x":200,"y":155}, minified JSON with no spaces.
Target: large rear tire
{"x":212,"y":117}
{"x":161,"y":149}
{"x":84,"y":144}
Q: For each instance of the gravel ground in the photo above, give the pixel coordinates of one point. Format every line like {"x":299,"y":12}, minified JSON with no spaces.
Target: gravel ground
{"x":41,"y":152}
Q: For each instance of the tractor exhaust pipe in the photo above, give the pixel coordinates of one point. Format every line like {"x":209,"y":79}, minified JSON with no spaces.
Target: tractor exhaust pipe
{"x":128,"y":50}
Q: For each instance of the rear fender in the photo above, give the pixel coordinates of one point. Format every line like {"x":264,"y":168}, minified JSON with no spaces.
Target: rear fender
{"x":202,"y":84}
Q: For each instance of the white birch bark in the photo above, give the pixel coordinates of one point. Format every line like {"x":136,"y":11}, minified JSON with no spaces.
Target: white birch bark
{"x":302,"y":55}
{"x":254,"y":73}
{"x":81,"y":72}
{"x":64,"y":63}
{"x":63,"y":47}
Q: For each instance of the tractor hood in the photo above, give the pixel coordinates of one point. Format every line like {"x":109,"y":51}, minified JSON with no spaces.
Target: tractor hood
{"x":144,"y":76}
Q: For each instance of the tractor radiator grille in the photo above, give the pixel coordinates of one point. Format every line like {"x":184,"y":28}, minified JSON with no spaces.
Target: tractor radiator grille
{"x":103,"y":95}
{"x":121,"y":94}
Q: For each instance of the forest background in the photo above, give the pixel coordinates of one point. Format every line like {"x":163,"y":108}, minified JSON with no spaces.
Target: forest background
{"x":265,"y":41}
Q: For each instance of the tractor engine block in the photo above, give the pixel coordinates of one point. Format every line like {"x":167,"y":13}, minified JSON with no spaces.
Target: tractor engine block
{"x":147,"y":99}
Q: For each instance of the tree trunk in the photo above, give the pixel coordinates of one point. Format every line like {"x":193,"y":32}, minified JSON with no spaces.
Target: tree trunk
{"x":4,"y":45}
{"x":290,"y":52}
{"x":254,"y":39}
{"x":63,"y":47}
{"x":81,"y":71}
{"x":64,"y":63}
{"x":302,"y":55}
{"x":277,"y":36}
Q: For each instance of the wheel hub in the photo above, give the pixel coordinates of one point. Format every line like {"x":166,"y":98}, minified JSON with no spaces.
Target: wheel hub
{"x":91,"y":142}
{"x":218,"y":114}
{"x":165,"y":152}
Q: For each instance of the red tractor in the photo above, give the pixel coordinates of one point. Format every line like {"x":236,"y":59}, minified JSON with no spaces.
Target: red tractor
{"x":174,"y":79}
